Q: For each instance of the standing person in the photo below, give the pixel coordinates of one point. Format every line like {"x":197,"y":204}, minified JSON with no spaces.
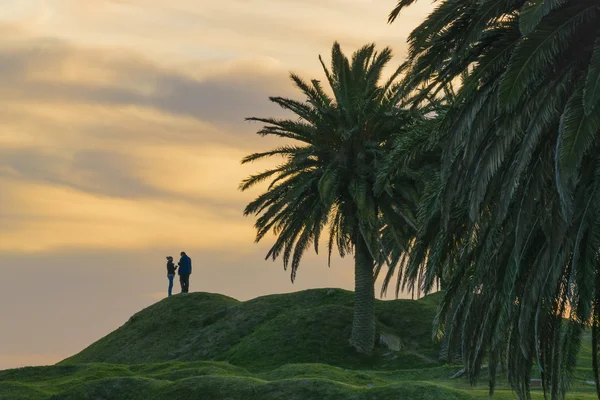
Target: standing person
{"x":185,"y":270}
{"x":170,"y":272}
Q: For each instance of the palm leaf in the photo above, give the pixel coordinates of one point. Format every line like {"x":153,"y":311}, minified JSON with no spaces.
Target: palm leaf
{"x":536,"y":52}
{"x":591,"y":91}
{"x":533,"y":11}
{"x":577,"y":133}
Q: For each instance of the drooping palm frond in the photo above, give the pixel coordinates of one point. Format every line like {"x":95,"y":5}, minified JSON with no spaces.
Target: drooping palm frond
{"x":512,"y":223}
{"x":415,"y":155}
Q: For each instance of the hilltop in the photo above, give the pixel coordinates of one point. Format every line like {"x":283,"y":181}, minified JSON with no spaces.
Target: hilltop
{"x":311,"y":326}
{"x":289,"y":346}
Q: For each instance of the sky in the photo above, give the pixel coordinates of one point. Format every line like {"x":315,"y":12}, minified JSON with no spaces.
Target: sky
{"x":121,"y":134}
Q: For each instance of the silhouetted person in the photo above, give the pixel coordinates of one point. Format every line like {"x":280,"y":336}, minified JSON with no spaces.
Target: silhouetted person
{"x":185,"y":270}
{"x":171,"y":268}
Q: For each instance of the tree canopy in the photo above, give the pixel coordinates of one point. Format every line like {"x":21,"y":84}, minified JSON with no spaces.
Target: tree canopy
{"x":515,"y":222}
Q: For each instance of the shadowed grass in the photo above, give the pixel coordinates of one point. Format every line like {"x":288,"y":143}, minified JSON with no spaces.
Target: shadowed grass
{"x":281,"y":347}
{"x":214,"y":380}
{"x":311,"y":326}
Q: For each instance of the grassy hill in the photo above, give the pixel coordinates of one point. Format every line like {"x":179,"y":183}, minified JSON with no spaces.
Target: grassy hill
{"x":291,"y":346}
{"x":311,"y":326}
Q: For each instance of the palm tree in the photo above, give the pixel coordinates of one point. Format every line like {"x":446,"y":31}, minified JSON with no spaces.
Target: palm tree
{"x":515,"y":220}
{"x":327,"y":180}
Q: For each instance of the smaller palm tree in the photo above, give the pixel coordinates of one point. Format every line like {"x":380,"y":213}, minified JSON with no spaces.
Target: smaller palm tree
{"x":327,"y":180}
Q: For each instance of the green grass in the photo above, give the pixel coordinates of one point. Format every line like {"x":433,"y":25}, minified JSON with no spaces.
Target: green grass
{"x":311,"y":326}
{"x":288,"y":347}
{"x":218,"y":380}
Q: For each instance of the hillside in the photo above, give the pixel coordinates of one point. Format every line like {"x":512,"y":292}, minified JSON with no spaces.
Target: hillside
{"x":281,"y":347}
{"x":220,"y":381}
{"x":311,"y":326}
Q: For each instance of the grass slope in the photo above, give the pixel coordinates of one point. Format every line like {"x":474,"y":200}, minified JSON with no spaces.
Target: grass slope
{"x":281,"y":347}
{"x":222,"y":381}
{"x":311,"y":326}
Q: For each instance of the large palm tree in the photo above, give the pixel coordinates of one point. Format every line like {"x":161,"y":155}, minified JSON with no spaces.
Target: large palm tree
{"x":336,"y":145}
{"x":516,"y":218}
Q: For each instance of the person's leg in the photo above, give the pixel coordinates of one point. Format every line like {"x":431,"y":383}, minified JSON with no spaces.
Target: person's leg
{"x":187,"y":283}
{"x":182,"y":282}
{"x":170,"y":283}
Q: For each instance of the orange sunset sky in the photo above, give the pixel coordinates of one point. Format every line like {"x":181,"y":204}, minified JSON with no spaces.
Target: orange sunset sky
{"x":122,"y":130}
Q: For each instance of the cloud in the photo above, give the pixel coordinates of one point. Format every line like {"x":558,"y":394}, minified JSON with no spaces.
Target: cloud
{"x":42,"y":217}
{"x":109,"y":173}
{"x":47,"y":70}
{"x":294,"y":31}
{"x":94,"y":139}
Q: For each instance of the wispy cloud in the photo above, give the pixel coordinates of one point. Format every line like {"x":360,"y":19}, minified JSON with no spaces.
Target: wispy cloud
{"x":293,"y":31}
{"x":94,"y":139}
{"x":45,"y":70}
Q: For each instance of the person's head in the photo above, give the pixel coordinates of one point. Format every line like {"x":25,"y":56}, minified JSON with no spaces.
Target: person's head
{"x":183,"y":254}
{"x":170,"y":258}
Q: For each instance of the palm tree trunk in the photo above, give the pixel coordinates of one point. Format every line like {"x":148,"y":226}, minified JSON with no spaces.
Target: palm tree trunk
{"x":363,"y":323}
